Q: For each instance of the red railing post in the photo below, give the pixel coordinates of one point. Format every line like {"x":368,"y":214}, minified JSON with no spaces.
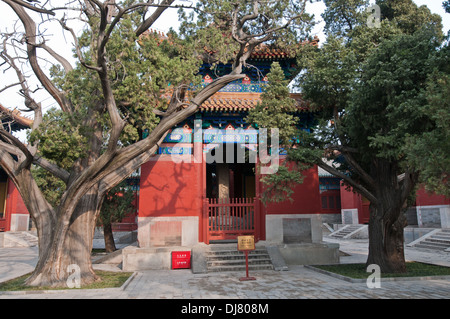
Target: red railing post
{"x":206,"y":220}
{"x":256,"y":211}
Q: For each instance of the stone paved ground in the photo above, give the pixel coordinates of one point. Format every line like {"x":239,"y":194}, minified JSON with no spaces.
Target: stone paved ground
{"x":297,"y":283}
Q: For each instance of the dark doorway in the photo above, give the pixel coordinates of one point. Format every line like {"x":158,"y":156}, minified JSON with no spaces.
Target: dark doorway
{"x":230,"y":175}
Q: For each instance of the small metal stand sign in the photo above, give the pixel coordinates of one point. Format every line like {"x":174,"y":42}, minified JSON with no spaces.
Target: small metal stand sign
{"x":246,"y":244}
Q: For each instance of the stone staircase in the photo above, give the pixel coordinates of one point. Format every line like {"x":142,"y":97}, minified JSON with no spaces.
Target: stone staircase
{"x":347,"y":231}
{"x":230,"y":259}
{"x":438,"y":239}
{"x":19,"y":239}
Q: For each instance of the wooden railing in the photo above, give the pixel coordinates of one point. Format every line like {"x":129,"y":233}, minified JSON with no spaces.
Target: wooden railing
{"x":228,"y":218}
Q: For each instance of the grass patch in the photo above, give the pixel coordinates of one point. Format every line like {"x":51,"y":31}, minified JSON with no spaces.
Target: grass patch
{"x":413,"y":269}
{"x":108,"y":279}
{"x":98,"y":251}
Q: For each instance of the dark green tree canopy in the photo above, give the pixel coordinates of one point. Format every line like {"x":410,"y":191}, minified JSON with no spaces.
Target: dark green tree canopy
{"x":408,"y":16}
{"x":376,"y":93}
{"x":446,"y":6}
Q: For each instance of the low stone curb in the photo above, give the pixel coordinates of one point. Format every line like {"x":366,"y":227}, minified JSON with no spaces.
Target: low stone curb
{"x":356,"y":280}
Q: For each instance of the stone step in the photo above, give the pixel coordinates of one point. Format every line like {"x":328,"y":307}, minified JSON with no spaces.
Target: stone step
{"x":236,"y":262}
{"x":20,"y":239}
{"x":239,"y":257}
{"x":345,"y":231}
{"x":240,"y":268}
{"x":429,"y":245}
{"x":441,"y":236}
{"x":438,"y":239}
{"x":236,"y":254}
{"x":349,"y":229}
{"x":232,"y":260}
{"x":437,"y":242}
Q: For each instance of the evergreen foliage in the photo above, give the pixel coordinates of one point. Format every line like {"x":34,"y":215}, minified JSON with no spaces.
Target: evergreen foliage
{"x":380,"y":97}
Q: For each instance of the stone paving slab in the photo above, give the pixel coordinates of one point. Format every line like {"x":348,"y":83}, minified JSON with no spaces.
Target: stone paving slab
{"x":298,"y":282}
{"x":15,"y":262}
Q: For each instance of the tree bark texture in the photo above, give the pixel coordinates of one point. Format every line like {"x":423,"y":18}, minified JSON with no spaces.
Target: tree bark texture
{"x":110,"y":245}
{"x":68,"y":245}
{"x":386,"y":242}
{"x":387,"y":219}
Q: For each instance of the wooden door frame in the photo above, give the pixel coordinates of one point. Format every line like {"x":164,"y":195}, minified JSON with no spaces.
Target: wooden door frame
{"x":259,"y":211}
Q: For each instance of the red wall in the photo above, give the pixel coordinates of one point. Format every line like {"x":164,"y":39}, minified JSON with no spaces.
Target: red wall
{"x":176,"y":189}
{"x":14,"y":205}
{"x":14,"y":202}
{"x":306,"y":197}
{"x":170,"y":189}
{"x":423,"y":198}
{"x":349,"y":199}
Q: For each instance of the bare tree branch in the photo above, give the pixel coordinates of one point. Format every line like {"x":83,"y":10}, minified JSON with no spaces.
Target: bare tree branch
{"x":77,"y":46}
{"x":33,"y":8}
{"x":410,"y":179}
{"x":361,"y":172}
{"x":147,"y":23}
{"x":25,"y":90}
{"x":100,"y":170}
{"x":66,"y":65}
{"x":7,"y":163}
{"x":31,"y":36}
{"x":10,"y":149}
{"x":18,"y":144}
{"x":248,"y":42}
{"x":10,"y":86}
{"x":52,"y":168}
{"x":365,"y":192}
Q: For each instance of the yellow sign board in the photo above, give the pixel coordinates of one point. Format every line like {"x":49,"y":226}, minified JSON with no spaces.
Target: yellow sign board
{"x":246,"y":242}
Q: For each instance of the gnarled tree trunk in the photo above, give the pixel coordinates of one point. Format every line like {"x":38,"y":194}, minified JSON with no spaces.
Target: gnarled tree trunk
{"x":387,"y":219}
{"x":70,"y":247}
{"x":386,"y":241}
{"x":110,"y":245}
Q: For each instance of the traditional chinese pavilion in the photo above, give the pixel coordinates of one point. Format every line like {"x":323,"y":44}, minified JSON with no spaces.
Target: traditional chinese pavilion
{"x":186,"y":199}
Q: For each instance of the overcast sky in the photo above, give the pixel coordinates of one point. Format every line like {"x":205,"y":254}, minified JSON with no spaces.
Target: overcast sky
{"x":11,"y":99}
